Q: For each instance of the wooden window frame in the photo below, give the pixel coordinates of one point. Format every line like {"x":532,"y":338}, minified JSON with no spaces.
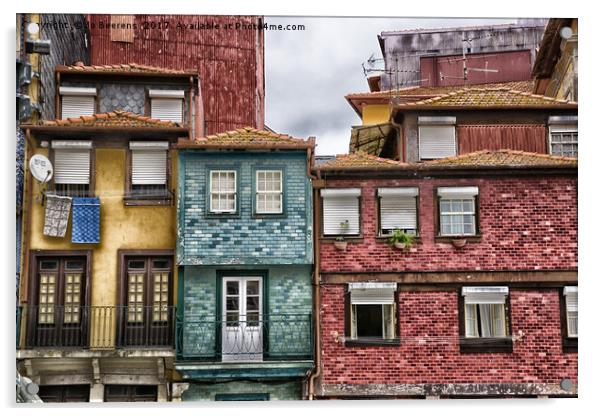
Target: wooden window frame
{"x":256,"y":211}
{"x":237,"y":193}
{"x":365,"y":342}
{"x":477,"y":237}
{"x":484,"y":344}
{"x":130,"y":393}
{"x":92,"y":182}
{"x":552,"y":131}
{"x":145,"y":200}
{"x":62,"y":395}
{"x":124,"y":255}
{"x":569,"y":344}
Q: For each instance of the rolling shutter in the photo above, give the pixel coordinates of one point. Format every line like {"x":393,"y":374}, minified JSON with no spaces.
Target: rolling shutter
{"x":167,"y":104}
{"x":149,"y":163}
{"x":372,"y":294}
{"x":571,"y":298}
{"x":76,"y":102}
{"x":72,"y":166}
{"x":74,"y":106}
{"x":72,"y":162}
{"x":485,"y":295}
{"x":458,"y":192}
{"x":340,"y":205}
{"x":437,"y":142}
{"x":398,"y":208}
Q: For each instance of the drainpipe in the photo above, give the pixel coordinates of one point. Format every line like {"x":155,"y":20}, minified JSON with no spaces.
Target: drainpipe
{"x":26,"y":214}
{"x":317,"y":371}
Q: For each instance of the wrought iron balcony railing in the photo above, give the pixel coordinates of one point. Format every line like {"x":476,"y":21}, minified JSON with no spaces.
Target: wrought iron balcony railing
{"x":245,"y":338}
{"x":98,"y":327}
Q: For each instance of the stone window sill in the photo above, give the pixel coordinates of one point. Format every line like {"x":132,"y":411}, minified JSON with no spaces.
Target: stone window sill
{"x":485,"y":345}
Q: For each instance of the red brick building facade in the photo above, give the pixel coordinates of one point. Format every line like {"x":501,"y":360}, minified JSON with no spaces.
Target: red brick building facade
{"x":522,"y":251}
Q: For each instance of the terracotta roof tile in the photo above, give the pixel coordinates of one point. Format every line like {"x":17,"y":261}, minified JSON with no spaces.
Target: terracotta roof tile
{"x":503,"y":159}
{"x":248,"y":137}
{"x":489,"y":98}
{"x":117,"y":118}
{"x":122,"y":69}
{"x":523,"y":86}
{"x":360,"y":160}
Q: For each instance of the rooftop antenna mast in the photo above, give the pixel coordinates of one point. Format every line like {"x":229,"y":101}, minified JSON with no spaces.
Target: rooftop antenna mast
{"x":466,"y":44}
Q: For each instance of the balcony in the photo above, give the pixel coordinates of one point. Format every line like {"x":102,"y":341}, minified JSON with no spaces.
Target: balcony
{"x":252,"y":339}
{"x":98,"y":327}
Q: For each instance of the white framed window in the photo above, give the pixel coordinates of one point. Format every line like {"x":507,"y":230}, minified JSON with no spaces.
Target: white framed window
{"x":457,"y":210}
{"x":485,"y":311}
{"x":564,"y":140}
{"x":77,"y":102}
{"x":341,"y":211}
{"x":71,"y":162}
{"x":268,"y":194}
{"x":436,"y":137}
{"x":397,"y":208}
{"x":373,"y":312}
{"x":222,"y":191}
{"x":571,"y":302}
{"x":148,"y":175}
{"x":167,"y":105}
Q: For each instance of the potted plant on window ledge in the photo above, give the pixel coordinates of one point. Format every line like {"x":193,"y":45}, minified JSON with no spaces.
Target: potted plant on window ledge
{"x":400,"y":240}
{"x":340,"y":242}
{"x":458,"y":242}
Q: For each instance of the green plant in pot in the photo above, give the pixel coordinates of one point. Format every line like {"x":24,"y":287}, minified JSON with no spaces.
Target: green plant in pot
{"x":400,"y":240}
{"x":340,"y":242}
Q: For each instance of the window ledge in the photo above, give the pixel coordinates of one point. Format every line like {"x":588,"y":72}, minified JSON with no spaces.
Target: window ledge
{"x":449,"y":238}
{"x":570,"y":344}
{"x":384,"y":238}
{"x":368,"y":342}
{"x":485,"y":345}
{"x":145,"y":200}
{"x":351,"y":239}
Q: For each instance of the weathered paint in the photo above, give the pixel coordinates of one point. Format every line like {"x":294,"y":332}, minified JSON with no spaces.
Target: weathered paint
{"x":375,"y":113}
{"x":230,"y":62}
{"x":145,"y":227}
{"x":276,"y":390}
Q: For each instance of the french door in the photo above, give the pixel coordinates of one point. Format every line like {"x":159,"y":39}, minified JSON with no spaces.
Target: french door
{"x":59,"y":316}
{"x":147,"y":315}
{"x":242,"y":326}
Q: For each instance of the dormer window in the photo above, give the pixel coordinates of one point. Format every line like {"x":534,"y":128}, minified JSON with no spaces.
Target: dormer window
{"x":167,"y":105}
{"x":77,"y":102}
{"x":436,"y":137}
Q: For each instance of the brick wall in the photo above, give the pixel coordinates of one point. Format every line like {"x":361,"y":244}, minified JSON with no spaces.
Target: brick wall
{"x":244,"y":238}
{"x":526,"y":224}
{"x":429,"y":350}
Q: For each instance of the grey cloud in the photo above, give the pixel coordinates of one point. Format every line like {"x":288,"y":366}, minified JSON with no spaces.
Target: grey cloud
{"x":309,"y":72}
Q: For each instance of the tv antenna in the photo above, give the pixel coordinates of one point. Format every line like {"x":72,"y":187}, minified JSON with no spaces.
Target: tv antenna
{"x":466,"y":45}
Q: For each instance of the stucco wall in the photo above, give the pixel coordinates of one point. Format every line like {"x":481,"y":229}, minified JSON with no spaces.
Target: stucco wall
{"x":375,"y":114}
{"x":121,"y":227}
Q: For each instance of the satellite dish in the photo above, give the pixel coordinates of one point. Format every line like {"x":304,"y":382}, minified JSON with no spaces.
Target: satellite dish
{"x":566,"y":32}
{"x":40,"y":168}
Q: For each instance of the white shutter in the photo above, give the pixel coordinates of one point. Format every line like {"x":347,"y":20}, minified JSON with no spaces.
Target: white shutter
{"x":398,"y":212}
{"x":571,"y":298}
{"x":372,"y":297}
{"x":338,"y":209}
{"x":169,"y":109}
{"x":436,"y":142}
{"x":485,"y":295}
{"x":74,"y":106}
{"x":457,"y":192}
{"x":72,"y":166}
{"x":149,"y":167}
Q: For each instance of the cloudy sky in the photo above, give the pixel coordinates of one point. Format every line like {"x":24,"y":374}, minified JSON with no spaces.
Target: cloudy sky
{"x":309,"y":72}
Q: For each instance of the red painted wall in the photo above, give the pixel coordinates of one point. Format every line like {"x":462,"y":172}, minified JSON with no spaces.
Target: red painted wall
{"x":230,"y":62}
{"x":526,"y":224}
{"x":429,"y":350}
{"x":510,"y":66}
